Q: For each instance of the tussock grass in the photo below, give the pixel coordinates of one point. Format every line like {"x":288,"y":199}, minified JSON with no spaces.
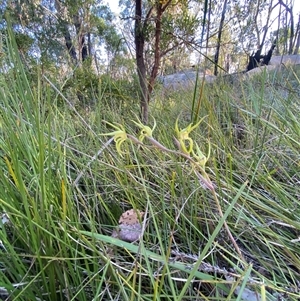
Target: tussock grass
{"x":64,"y":187}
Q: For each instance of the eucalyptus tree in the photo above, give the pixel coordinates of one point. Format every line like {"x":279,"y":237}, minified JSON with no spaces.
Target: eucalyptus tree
{"x":219,"y":36}
{"x":216,"y":58}
{"x":248,"y":24}
{"x":288,"y":33}
{"x":160,"y":27}
{"x":65,"y":39}
{"x":60,"y":27}
{"x":257,"y":20}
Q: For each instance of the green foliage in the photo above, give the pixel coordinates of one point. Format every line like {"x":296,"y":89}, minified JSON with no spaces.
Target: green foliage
{"x":64,"y":187}
{"x":24,"y":42}
{"x":84,"y":84}
{"x":119,"y":91}
{"x":108,"y":34}
{"x":90,"y":89}
{"x":49,"y":33}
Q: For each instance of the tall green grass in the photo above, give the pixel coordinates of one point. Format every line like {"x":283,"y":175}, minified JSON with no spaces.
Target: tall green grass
{"x":64,"y":187}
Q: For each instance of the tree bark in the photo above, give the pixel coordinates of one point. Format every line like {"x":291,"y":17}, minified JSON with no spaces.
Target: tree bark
{"x":139,"y":40}
{"x":292,"y":28}
{"x":84,"y":49}
{"x":216,"y":59}
{"x":266,"y":27}
{"x":90,"y":47}
{"x":69,"y":44}
{"x":297,"y":38}
{"x":257,"y":29}
{"x":157,"y":52}
{"x":80,"y":37}
{"x":254,"y":60}
{"x":66,"y":32}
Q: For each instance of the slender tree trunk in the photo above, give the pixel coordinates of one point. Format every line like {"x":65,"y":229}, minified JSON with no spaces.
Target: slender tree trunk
{"x":289,"y":11}
{"x":266,"y":27}
{"x":297,"y":38}
{"x":257,"y":29}
{"x":157,"y":54}
{"x":66,"y":32}
{"x":89,"y":44}
{"x":140,"y":60}
{"x":69,"y":45}
{"x":216,"y":59}
{"x":84,"y":49}
{"x":80,"y":37}
{"x":140,"y":27}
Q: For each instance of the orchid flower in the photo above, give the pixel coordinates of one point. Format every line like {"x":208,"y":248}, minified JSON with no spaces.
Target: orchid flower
{"x":146,"y":131}
{"x":199,"y":157}
{"x":119,"y":136}
{"x":183,"y":140}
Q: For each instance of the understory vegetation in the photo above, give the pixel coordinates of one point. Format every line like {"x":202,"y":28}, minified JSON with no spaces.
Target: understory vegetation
{"x":220,"y":224}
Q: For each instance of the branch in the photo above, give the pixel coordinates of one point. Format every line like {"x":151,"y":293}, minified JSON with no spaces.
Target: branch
{"x":148,"y":16}
{"x":177,"y":43}
{"x":172,"y":48}
{"x":166,"y":5}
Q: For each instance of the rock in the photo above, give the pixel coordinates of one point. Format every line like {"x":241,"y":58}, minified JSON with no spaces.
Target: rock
{"x":184,"y":79}
{"x":292,"y":59}
{"x":260,"y":69}
{"x":187,"y":79}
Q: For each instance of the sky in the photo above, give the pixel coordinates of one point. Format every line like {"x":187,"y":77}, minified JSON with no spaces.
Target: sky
{"x":114,"y":5}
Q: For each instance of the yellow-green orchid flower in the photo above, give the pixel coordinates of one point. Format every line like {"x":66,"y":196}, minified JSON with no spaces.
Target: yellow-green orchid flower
{"x":199,"y":157}
{"x":186,"y":143}
{"x":146,"y":131}
{"x":119,"y":136}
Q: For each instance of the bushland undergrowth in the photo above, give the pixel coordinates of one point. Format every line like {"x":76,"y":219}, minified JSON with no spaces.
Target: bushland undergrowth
{"x":65,"y":184}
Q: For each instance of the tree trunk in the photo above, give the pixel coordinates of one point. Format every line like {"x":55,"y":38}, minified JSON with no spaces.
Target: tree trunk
{"x":84,"y":49}
{"x":266,"y":27}
{"x":157,"y":54}
{"x":66,"y":32}
{"x":69,"y":44}
{"x":216,"y":59}
{"x":90,"y":47}
{"x":267,"y":57}
{"x":80,"y":36}
{"x":289,"y":10}
{"x":254,"y":60}
{"x":257,"y":29}
{"x":140,"y":60}
{"x":297,"y":38}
